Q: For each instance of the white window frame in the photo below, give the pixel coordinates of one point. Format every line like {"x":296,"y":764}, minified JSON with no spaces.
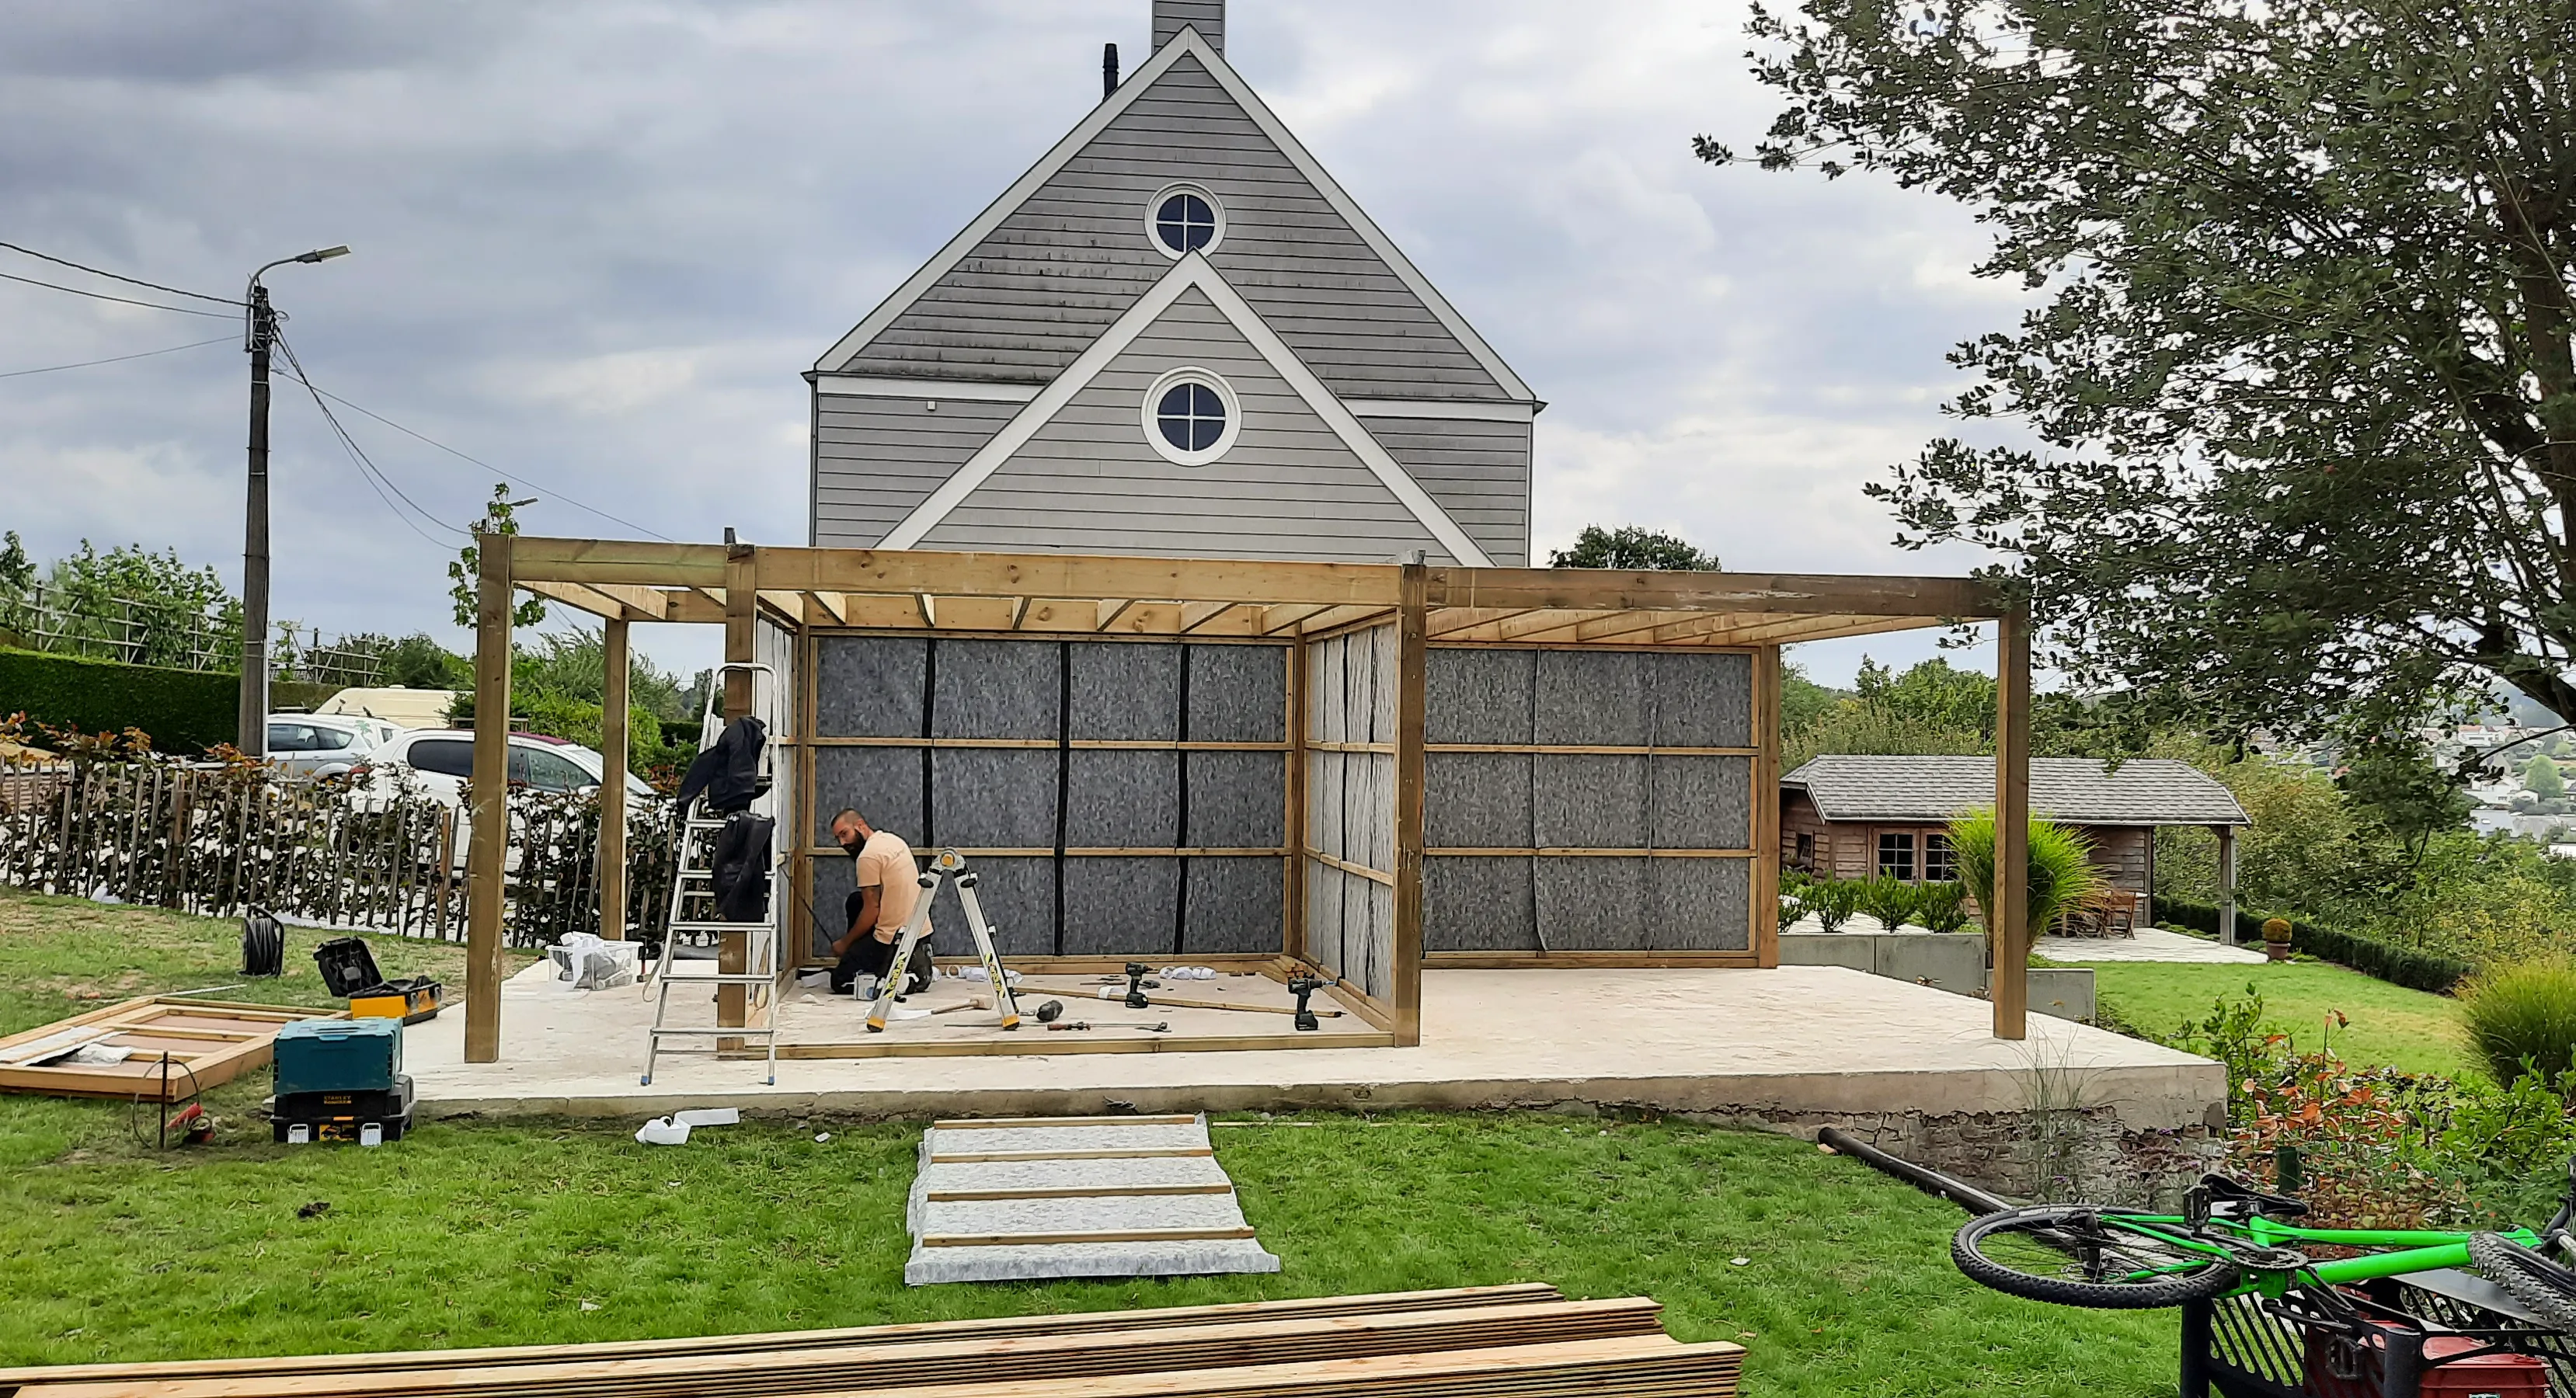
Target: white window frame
{"x":1153,"y":219}
{"x":1152,"y":423}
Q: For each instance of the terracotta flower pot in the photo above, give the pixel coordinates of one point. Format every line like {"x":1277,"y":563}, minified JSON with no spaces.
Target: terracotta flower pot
{"x":2278,"y":951}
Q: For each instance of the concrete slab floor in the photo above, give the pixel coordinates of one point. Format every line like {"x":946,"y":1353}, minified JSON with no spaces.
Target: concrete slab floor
{"x":1816,"y":1040}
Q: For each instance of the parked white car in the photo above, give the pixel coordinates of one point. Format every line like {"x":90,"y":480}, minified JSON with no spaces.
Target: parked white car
{"x":319,"y":745}
{"x":441,"y":760}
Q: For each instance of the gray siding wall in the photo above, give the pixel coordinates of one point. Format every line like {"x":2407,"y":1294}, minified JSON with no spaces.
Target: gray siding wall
{"x":1208,"y":16}
{"x":877,"y":458}
{"x":1087,"y":482}
{"x":1478,"y":471}
{"x":1060,"y":268}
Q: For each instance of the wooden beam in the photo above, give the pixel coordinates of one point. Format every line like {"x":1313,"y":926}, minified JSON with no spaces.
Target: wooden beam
{"x":1766,"y":807}
{"x":1454,"y":619}
{"x":613,"y":750}
{"x":826,"y":609}
{"x":1295,"y":827}
{"x":1334,"y":618}
{"x":741,"y":645}
{"x":2010,"y":917}
{"x":2226,"y":883}
{"x":1739,"y":631}
{"x":586,"y":598}
{"x":1197,"y":614}
{"x":487,"y":855}
{"x":1404,"y":987}
{"x":1077,"y":575}
{"x":1275,"y":620}
{"x":1606,"y":590}
{"x":639,"y":562}
{"x":1109,"y":610}
{"x":976,"y":613}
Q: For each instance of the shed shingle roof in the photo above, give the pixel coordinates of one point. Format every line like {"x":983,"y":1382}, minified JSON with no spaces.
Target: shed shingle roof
{"x":2075,"y":790}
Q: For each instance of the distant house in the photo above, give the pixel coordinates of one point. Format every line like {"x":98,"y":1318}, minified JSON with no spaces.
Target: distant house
{"x":1851,"y":816}
{"x":1174,"y":335}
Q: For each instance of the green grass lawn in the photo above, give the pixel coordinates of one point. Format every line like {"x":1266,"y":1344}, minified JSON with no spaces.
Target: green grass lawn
{"x":499,"y":1233}
{"x":2390,"y":1024}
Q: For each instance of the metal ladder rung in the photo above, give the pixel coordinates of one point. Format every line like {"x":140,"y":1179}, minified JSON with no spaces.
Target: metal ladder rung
{"x":737,"y":1032}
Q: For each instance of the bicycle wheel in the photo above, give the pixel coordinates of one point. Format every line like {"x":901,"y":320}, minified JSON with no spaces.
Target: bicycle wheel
{"x":2547,"y":1288}
{"x":2079,"y":1255}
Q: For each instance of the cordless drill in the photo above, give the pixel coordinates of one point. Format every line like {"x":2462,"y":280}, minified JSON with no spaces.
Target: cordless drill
{"x":1304,"y":987}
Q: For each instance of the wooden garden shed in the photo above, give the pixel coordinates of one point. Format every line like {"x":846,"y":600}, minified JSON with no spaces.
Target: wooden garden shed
{"x":1364,"y":769}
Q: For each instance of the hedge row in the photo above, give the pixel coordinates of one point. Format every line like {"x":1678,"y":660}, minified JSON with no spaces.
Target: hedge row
{"x":2387,"y":961}
{"x":185,"y":711}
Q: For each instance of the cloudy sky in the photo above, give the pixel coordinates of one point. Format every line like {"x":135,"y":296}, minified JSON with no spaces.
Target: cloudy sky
{"x":598,"y":242}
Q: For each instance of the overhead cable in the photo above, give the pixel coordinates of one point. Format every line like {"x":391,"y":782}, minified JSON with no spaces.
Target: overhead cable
{"x":118,"y":359}
{"x":117,"y":276}
{"x":121,"y":300}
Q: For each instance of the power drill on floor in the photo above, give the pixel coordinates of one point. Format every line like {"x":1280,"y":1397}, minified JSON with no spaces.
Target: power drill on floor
{"x":1304,"y":987}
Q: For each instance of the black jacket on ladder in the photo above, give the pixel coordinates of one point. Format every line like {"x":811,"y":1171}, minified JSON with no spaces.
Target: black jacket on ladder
{"x":729,"y":772}
{"x":741,"y":867}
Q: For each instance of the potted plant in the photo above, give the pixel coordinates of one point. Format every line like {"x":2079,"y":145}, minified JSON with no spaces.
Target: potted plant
{"x":2060,"y":862}
{"x":2276,"y":938}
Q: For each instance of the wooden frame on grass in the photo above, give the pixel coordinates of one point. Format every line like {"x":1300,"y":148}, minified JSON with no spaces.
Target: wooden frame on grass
{"x":209,"y":1042}
{"x":818,"y":591}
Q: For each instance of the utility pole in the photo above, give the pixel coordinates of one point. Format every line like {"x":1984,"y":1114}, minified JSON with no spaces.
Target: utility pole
{"x":250,"y":732}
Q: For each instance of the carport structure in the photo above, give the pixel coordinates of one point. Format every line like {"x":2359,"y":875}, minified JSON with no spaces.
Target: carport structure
{"x":1360,"y":769}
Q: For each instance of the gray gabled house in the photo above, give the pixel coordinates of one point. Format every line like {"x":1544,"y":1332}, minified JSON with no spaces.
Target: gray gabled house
{"x":1174,"y":335}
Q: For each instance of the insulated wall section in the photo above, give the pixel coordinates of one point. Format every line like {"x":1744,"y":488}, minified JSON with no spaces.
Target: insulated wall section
{"x":1588,"y":800}
{"x":1117,"y":798}
{"x":1351,"y":697}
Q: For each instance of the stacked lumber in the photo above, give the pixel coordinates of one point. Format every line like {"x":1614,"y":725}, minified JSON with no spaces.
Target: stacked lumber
{"x":1487,"y":1342}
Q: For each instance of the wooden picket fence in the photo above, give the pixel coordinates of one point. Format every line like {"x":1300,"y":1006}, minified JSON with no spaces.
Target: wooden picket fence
{"x":219,"y":841}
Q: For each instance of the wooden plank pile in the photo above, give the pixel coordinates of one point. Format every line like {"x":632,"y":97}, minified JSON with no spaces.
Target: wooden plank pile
{"x":1488,"y":1342}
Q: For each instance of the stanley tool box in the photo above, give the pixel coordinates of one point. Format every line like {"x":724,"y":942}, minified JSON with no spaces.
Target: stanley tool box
{"x":368,"y":1118}
{"x":340,"y":1080}
{"x":349,"y":969}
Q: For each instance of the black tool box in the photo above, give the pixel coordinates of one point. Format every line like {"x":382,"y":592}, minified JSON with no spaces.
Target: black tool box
{"x":349,"y":969}
{"x":303,"y":1117}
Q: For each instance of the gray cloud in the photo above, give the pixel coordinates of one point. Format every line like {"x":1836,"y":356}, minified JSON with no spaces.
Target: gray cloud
{"x":598,"y":242}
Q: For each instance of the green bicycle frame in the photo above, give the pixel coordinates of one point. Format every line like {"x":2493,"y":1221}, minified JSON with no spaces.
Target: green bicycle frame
{"x":2414,"y":1250}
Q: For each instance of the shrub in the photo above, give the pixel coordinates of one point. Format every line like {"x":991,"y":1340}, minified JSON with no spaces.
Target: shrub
{"x":1833,"y":901}
{"x":2276,"y":929}
{"x":1887,"y":898}
{"x":2060,"y":862}
{"x":2416,"y":970}
{"x":1942,"y":907}
{"x":184,"y":711}
{"x":2522,"y":1018}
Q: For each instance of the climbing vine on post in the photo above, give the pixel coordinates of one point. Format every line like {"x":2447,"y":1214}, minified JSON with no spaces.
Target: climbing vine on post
{"x":465,"y":575}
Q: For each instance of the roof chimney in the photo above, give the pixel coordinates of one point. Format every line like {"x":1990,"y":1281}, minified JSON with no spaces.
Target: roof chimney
{"x":1206,"y":16}
{"x":1108,"y":71}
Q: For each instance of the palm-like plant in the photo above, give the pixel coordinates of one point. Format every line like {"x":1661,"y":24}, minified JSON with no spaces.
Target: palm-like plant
{"x":2060,"y":862}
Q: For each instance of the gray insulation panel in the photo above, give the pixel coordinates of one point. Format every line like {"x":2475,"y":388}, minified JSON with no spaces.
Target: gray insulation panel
{"x":1592,"y":697}
{"x":832,"y":883}
{"x":1120,"y":906}
{"x":1701,"y":802}
{"x":1590,"y":903}
{"x":1239,"y":694}
{"x":1238,"y":800}
{"x":869,"y":686}
{"x":882,"y":784}
{"x":1701,"y":905}
{"x":1122,"y":798}
{"x":1476,"y":903}
{"x":1125,"y":690}
{"x":1234,"y":906}
{"x":1589,"y":802}
{"x":1476,"y":800}
{"x":1477,"y":696}
{"x":993,"y":797}
{"x":1703,"y":701}
{"x":1018,"y":898}
{"x":996,"y":689}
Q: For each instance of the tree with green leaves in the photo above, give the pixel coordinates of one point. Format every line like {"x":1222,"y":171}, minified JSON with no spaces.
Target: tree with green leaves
{"x":465,"y":575}
{"x":2304,"y":358}
{"x":2541,"y":778}
{"x":1632,"y":547}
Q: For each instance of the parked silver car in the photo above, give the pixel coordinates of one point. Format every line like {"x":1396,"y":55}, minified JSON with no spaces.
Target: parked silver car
{"x":321,"y":745}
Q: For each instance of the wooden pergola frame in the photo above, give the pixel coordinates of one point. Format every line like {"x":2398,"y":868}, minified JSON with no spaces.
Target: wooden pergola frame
{"x":841,"y":590}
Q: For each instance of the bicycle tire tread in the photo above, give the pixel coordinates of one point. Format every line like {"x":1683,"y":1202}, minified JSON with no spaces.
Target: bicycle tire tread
{"x":2528,"y":1277}
{"x":2211,"y":1281}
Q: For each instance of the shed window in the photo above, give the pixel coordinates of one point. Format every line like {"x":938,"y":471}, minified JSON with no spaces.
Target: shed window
{"x":1806,"y":858}
{"x":1896,"y":854}
{"x":1940,"y":860}
{"x":1191,"y":417}
{"x":1185,"y":219}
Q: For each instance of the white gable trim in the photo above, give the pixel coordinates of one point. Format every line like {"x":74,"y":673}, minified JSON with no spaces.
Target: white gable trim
{"x":864,"y":386}
{"x":1447,"y":409}
{"x":1063,"y":152}
{"x":1191,"y":271}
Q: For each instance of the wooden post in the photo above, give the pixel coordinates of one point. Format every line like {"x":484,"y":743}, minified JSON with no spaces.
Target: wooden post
{"x":2010,"y":915}
{"x":1766,"y":806}
{"x":613,"y":747}
{"x":486,"y":856}
{"x":742,"y":614}
{"x":1293,"y":936}
{"x":2227,"y":884}
{"x":1412,"y":646}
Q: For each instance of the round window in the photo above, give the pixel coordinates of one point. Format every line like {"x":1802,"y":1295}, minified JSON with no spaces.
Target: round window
{"x":1191,"y":417}
{"x":1183,"y":219}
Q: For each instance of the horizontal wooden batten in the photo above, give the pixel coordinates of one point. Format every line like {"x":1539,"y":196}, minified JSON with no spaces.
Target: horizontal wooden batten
{"x":1590,"y":749}
{"x":1586,"y":589}
{"x":1074,"y":1191}
{"x":1315,"y":746}
{"x":1077,"y":744}
{"x":1113,"y":1235}
{"x":1031,"y":1123}
{"x":1347,"y":867}
{"x":1106,"y":1040}
{"x":1100,"y":852}
{"x":1567,"y":852}
{"x":1575,"y":960}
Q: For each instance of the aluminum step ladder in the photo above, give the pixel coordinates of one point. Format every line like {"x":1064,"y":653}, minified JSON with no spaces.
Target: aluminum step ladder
{"x":693,"y":910}
{"x":948,"y":866}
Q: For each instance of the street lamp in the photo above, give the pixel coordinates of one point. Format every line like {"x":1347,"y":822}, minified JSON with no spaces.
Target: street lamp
{"x":250,"y":734}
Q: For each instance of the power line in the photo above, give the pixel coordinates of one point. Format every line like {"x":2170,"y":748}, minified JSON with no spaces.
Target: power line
{"x":117,"y":359}
{"x":117,"y":276}
{"x":367,"y":467}
{"x":122,"y":300}
{"x":488,"y":466}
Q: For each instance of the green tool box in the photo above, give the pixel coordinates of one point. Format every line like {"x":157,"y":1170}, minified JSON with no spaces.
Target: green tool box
{"x":338,"y":1055}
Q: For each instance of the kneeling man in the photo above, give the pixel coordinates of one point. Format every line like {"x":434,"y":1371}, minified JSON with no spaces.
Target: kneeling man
{"x":888,"y":888}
